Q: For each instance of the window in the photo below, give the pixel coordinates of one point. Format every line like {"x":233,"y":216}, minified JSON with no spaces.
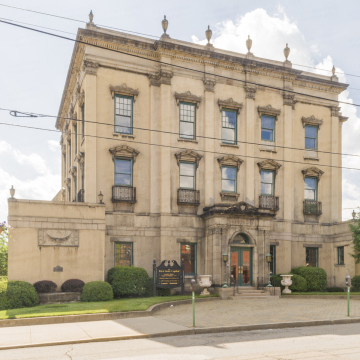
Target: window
{"x":76,"y":140}
{"x":69,"y":188}
{"x":340,"y":254}
{"x":187,"y":121}
{"x":228,"y":178}
{"x":312,"y":255}
{"x":187,"y":175}
{"x":273,"y":260}
{"x":123,"y":172}
{"x":83,"y":176}
{"x":241,"y":239}
{"x":229,"y":126}
{"x":311,"y":137}
{"x":83,"y":120}
{"x":310,"y":188}
{"x":64,"y":160}
{"x":70,"y":153}
{"x":267,"y":182}
{"x":123,"y":114}
{"x":123,"y":254}
{"x":75,"y":185}
{"x":188,"y":254}
{"x":267,"y":128}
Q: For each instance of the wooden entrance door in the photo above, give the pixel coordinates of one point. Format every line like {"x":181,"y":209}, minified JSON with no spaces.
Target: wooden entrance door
{"x":241,"y":265}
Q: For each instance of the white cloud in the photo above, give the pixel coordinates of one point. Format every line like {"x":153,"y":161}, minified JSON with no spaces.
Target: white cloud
{"x":4,"y":147}
{"x":53,"y":145}
{"x":34,"y":160}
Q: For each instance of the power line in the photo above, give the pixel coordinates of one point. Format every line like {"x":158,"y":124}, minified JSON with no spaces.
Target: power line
{"x":176,"y":147}
{"x":179,"y":66}
{"x":31,"y":114}
{"x":134,"y":32}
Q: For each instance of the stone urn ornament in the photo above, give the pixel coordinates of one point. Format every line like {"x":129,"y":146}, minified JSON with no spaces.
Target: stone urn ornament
{"x":249,"y":44}
{"x":205,"y":282}
{"x":165,"y":24}
{"x":286,"y":281}
{"x":208,"y":34}
{"x":286,"y":52}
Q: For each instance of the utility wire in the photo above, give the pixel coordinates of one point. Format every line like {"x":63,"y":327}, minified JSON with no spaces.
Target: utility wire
{"x":176,"y":147}
{"x":17,"y":113}
{"x":134,"y":32}
{"x":179,"y":66}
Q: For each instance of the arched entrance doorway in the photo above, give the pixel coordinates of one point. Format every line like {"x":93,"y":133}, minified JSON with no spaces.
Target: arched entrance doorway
{"x":241,"y":260}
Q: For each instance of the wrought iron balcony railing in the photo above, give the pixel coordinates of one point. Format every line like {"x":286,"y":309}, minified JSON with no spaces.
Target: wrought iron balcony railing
{"x":81,"y":196}
{"x":123,"y":194}
{"x":269,"y":202}
{"x":187,"y":196}
{"x":312,"y":207}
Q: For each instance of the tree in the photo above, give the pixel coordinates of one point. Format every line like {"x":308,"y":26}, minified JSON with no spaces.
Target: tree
{"x":4,"y":233}
{"x":355,"y":228}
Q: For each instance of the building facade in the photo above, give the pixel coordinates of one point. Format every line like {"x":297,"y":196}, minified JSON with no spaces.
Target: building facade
{"x":195,"y":152}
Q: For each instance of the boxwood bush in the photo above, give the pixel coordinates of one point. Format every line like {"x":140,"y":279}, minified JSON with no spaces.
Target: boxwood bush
{"x":159,"y":291}
{"x":127,"y":281}
{"x":45,"y":286}
{"x":315,"y":277}
{"x":72,"y":285}
{"x":17,"y":294}
{"x":334,"y":289}
{"x":355,"y":283}
{"x":298,"y":282}
{"x":97,"y":291}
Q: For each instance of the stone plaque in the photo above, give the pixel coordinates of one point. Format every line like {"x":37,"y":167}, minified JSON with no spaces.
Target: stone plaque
{"x":52,"y":237}
{"x":169,"y":276}
{"x":58,"y":269}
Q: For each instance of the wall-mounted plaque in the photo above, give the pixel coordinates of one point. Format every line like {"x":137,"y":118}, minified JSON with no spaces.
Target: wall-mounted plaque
{"x":52,"y":237}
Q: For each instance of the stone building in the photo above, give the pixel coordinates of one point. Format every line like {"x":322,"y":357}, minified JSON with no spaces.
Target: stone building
{"x":173,"y":150}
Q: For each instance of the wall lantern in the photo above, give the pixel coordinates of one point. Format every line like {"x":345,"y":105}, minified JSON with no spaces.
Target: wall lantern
{"x":225,"y":258}
{"x":101,"y":197}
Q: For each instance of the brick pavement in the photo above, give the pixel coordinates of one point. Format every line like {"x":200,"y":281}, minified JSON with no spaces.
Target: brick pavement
{"x":242,"y":311}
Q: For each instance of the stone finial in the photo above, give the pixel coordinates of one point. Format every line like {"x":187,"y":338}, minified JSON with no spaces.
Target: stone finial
{"x":333,"y":70}
{"x":286,"y":52}
{"x":91,"y":16}
{"x":248,"y":44}
{"x":164,"y":24}
{"x":208,"y":34}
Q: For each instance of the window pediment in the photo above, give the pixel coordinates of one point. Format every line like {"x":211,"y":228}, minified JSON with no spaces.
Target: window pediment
{"x":188,"y":97}
{"x":188,"y":155}
{"x":230,"y":160}
{"x":124,"y":151}
{"x":312,"y":172}
{"x":230,"y":103}
{"x":311,"y":120}
{"x":124,"y":90}
{"x":269,"y":165}
{"x":269,"y":110}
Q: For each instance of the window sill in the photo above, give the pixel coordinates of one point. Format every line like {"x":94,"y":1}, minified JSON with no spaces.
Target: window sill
{"x":188,"y":140}
{"x":124,"y":136}
{"x":229,"y":145}
{"x":229,"y":196}
{"x":268,"y":150}
{"x":268,"y":146}
{"x":339,"y":265}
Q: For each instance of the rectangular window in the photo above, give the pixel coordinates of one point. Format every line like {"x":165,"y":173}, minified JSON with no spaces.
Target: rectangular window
{"x":83,"y":120}
{"x":75,"y":185}
{"x":123,"y":172}
{"x":187,"y":173}
{"x":310,"y":188}
{"x":312,"y":256}
{"x":229,"y":126}
{"x":123,"y":254}
{"x":64,"y":160}
{"x":188,"y":254}
{"x":69,"y":193}
{"x":267,"y":182}
{"x":76,"y":140}
{"x":311,"y":137}
{"x":123,"y":114}
{"x":273,"y":260}
{"x":83,"y":176}
{"x":187,"y":121}
{"x":70,"y":153}
{"x":228,"y":178}
{"x":267,"y":128}
{"x":341,"y":257}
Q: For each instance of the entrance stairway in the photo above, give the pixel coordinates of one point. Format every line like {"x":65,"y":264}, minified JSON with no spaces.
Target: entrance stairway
{"x":252,"y":292}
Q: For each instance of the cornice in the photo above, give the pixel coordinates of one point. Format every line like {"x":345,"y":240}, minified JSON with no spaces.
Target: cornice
{"x":231,"y":160}
{"x":188,"y":97}
{"x":269,"y":164}
{"x":124,"y":90}
{"x":312,"y":172}
{"x":311,"y":120}
{"x":188,"y":155}
{"x":230,"y":103}
{"x":269,"y":110}
{"x":124,"y":151}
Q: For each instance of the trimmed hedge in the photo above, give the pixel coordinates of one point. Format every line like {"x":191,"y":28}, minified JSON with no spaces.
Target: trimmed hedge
{"x":17,"y":294}
{"x":72,"y":285}
{"x":355,"y":283}
{"x":298,"y":282}
{"x":334,"y":289}
{"x":159,"y":291}
{"x":97,"y":291}
{"x":127,"y":281}
{"x":45,"y":286}
{"x":315,"y":277}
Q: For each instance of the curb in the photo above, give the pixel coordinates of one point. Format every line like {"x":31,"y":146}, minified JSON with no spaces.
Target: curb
{"x":62,"y":319}
{"x":330,"y":297}
{"x":196,"y":331}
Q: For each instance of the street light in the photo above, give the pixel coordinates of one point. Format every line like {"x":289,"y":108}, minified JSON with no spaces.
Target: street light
{"x":225,"y":259}
{"x":101,"y":196}
{"x":353,"y":214}
{"x":268,"y":260}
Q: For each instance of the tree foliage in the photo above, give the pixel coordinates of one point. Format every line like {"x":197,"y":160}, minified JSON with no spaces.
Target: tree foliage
{"x":4,"y":233}
{"x":355,"y":229}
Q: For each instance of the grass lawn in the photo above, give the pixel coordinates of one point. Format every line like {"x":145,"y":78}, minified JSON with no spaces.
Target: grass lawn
{"x":89,"y":307}
{"x":321,"y":293}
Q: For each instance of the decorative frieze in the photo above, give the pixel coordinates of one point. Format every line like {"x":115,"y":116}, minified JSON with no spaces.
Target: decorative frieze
{"x":52,"y":237}
{"x":90,"y":67}
{"x":124,"y":90}
{"x":250,"y":91}
{"x":230,"y":103}
{"x":209,"y":84}
{"x":269,"y":110}
{"x":188,"y":97}
{"x":312,"y":172}
{"x":311,"y":120}
{"x":230,"y":160}
{"x":161,"y":77}
{"x":269,"y":165}
{"x":124,"y":151}
{"x":188,"y":155}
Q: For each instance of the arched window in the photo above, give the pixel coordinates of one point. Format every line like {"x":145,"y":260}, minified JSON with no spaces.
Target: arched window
{"x":241,"y":239}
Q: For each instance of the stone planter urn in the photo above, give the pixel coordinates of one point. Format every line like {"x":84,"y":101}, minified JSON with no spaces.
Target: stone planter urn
{"x":286,"y":281}
{"x":205,"y":282}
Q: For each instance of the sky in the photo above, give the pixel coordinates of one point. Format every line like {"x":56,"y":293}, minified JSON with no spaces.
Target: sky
{"x":34,"y":66}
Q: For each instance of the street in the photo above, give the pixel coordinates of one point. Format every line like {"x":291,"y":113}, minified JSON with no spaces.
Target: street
{"x":321,"y":342}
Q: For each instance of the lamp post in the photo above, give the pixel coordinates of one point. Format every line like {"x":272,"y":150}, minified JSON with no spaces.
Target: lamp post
{"x":225,"y":259}
{"x":101,"y":196}
{"x":353,"y":214}
{"x":268,"y":260}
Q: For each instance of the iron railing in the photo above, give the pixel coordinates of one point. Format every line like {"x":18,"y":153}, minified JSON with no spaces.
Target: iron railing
{"x":312,"y":207}
{"x":81,"y":196}
{"x":123,"y":194}
{"x":187,"y":196}
{"x":269,"y":202}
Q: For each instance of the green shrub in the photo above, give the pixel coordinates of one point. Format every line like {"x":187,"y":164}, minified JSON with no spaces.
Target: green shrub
{"x":334,"y":289}
{"x":97,"y":291}
{"x":45,"y":286}
{"x":276,"y":281}
{"x":298,"y":282}
{"x":17,"y":294}
{"x":355,"y":283}
{"x":316,"y":278}
{"x":159,"y":291}
{"x":127,"y":281}
{"x":72,"y":285}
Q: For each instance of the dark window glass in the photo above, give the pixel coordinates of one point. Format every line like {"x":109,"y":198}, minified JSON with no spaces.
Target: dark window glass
{"x":188,"y":254}
{"x":123,"y":172}
{"x":312,"y":257}
{"x":123,"y":254}
{"x":273,"y":260}
{"x":229,"y":127}
{"x":341,"y":257}
{"x":267,"y":128}
{"x":187,"y":121}
{"x":311,"y":137}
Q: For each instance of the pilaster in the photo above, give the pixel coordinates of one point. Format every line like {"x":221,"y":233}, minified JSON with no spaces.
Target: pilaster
{"x":335,"y":161}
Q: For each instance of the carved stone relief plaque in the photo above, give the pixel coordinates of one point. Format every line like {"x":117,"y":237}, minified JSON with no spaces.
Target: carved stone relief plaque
{"x":52,"y":237}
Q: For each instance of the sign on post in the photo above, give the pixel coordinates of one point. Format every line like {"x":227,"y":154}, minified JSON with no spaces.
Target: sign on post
{"x":168,"y":275}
